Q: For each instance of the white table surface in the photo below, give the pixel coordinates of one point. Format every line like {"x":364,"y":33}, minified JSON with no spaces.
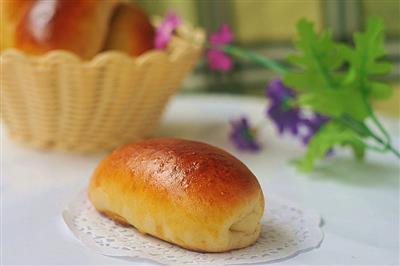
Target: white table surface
{"x":359,"y":202}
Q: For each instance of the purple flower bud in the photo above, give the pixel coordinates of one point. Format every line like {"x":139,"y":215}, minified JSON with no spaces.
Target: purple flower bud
{"x":313,"y":125}
{"x":290,"y":118}
{"x":218,"y":60}
{"x":286,"y":118}
{"x":242,"y":136}
{"x":223,"y":36}
{"x":165,"y":30}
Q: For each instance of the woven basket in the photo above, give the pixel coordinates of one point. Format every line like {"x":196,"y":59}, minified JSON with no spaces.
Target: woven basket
{"x":58,"y":101}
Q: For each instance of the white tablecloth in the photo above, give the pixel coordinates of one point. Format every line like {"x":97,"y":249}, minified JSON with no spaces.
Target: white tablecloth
{"x":359,"y":202}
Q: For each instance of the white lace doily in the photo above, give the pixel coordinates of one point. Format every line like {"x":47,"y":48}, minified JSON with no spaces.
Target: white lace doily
{"x":287,"y":230}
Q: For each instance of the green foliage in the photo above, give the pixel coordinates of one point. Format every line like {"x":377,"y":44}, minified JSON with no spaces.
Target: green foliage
{"x":363,"y":61}
{"x":337,"y":80}
{"x":327,"y":137}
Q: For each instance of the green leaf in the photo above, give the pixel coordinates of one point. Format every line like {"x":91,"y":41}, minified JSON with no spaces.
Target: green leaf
{"x":338,"y":80}
{"x":335,"y":103}
{"x":380,"y":68}
{"x":323,"y":87}
{"x":379,"y":90}
{"x":323,"y":84}
{"x":318,"y":60}
{"x":358,"y":150}
{"x":365,"y":60}
{"x":326,"y":138}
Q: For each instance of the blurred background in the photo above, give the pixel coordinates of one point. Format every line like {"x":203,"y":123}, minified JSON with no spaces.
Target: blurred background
{"x":269,"y":27}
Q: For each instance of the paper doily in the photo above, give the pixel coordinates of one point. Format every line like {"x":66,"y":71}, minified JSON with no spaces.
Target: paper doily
{"x":287,"y":230}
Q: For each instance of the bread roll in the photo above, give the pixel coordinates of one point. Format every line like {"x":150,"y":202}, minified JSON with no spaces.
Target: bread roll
{"x":185,"y":192}
{"x":130,"y":30}
{"x":77,"y":26}
{"x":11,"y":13}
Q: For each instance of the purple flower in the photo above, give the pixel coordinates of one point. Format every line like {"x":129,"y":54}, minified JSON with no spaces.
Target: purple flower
{"x":164,"y":31}
{"x":223,"y":36}
{"x":242,"y":136}
{"x":285,"y":117}
{"x":313,"y":125}
{"x":218,"y":60}
{"x":289,"y":118}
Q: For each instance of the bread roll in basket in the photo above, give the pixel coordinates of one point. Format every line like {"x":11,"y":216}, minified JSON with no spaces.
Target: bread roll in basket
{"x":185,"y":192}
{"x":56,"y":99}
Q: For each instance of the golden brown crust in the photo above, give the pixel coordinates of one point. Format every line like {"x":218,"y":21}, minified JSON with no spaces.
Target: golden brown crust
{"x":199,"y":170}
{"x":15,"y":9}
{"x":77,"y":26}
{"x":185,"y":192}
{"x":11,"y":13}
{"x":130,"y":30}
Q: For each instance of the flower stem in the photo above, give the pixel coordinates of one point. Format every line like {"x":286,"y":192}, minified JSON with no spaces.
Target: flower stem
{"x":254,"y":57}
{"x":363,"y":130}
{"x":377,"y":122}
{"x":387,"y":145}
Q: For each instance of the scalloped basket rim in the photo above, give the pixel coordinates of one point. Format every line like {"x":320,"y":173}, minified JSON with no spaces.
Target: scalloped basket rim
{"x":104,"y":55}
